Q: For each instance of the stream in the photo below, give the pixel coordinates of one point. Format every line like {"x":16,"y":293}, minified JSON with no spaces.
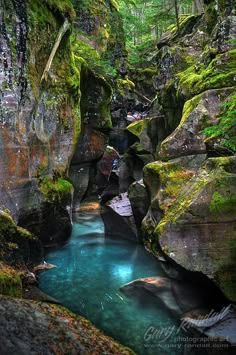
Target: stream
{"x":91,"y":269}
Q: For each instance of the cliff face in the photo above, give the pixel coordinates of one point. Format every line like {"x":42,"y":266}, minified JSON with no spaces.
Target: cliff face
{"x":47,"y":122}
{"x":191,"y":181}
{"x":54,"y":124}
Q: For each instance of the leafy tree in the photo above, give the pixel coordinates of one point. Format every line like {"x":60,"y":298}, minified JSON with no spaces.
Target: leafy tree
{"x":146,"y":20}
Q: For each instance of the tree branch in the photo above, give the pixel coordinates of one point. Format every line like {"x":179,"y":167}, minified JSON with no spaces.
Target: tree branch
{"x":142,"y":96}
{"x":61,"y":33}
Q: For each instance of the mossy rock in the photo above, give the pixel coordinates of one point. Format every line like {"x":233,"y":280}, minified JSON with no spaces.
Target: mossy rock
{"x":196,"y":199}
{"x":220,"y":73}
{"x":198,"y":113}
{"x":9,"y":227}
{"x":10,"y":281}
{"x":186,"y":25}
{"x":137,"y":127}
{"x":55,"y":189}
{"x":198,"y":227}
{"x":124,"y":86}
{"x":165,"y":181}
{"x":41,"y":8}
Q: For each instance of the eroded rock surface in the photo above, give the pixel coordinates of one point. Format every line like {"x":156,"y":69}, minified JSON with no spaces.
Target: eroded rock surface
{"x":39,"y":328}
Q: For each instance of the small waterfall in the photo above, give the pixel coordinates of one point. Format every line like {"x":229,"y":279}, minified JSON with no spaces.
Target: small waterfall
{"x":69,"y":208}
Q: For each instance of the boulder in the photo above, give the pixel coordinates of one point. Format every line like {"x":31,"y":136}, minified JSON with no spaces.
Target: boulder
{"x":118,"y":212}
{"x":107,"y":169}
{"x":48,"y":329}
{"x":198,"y":113}
{"x":192,"y":304}
{"x":198,"y":229}
{"x":139,"y":201}
{"x":179,"y":297}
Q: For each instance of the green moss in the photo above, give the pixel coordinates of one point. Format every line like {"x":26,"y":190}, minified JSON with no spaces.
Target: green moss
{"x":10,"y":281}
{"x":65,"y":7}
{"x":214,"y":170}
{"x":24,"y":233}
{"x":189,"y":107}
{"x":145,"y":75}
{"x":7,"y":225}
{"x":104,"y":103}
{"x":86,"y":51}
{"x":222,"y":204}
{"x":55,"y":189}
{"x":187,"y":194}
{"x":9,"y":228}
{"x":228,"y":164}
{"x":171,"y":176}
{"x":219,"y":73}
{"x":124,"y":85}
{"x":137,"y":127}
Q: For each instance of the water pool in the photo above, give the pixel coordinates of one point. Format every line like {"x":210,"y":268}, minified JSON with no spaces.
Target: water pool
{"x":91,"y":269}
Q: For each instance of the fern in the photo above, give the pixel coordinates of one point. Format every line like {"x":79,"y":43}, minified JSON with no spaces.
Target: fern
{"x":226,"y":127}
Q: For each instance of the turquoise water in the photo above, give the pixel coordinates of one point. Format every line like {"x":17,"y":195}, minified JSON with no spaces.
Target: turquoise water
{"x":91,"y":269}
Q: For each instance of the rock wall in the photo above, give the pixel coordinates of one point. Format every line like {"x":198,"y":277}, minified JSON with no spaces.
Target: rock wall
{"x":191,"y":183}
{"x":39,"y":118}
{"x":174,"y":174}
{"x":49,"y":124}
{"x":56,"y":58}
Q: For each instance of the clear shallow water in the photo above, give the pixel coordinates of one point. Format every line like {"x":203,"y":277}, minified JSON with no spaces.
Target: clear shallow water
{"x":91,"y":269}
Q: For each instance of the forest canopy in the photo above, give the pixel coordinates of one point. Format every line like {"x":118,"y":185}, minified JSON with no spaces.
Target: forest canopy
{"x":145,"y":21}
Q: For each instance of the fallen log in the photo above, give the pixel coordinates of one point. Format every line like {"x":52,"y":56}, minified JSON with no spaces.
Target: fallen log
{"x":60,"y":35}
{"x":142,"y":96}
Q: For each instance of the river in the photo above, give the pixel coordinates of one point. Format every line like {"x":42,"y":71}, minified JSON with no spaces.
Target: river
{"x":90,"y":270}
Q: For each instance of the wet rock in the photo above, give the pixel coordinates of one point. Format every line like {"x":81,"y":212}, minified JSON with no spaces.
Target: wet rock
{"x":118,"y":212}
{"x":43,"y":267}
{"x":37,"y":125}
{"x":198,"y":228}
{"x":139,"y":203}
{"x":40,"y":328}
{"x":198,"y":113}
{"x":127,"y":228}
{"x":121,"y":205}
{"x":107,"y":167}
{"x":189,"y":302}
{"x":178,"y":296}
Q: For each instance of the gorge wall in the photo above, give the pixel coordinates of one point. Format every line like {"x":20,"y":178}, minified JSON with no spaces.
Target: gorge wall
{"x":190,"y":178}
{"x":49,"y":124}
{"x":53,"y":129}
{"x":57,"y":129}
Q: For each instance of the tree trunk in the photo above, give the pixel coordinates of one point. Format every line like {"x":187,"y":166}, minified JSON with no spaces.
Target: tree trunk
{"x":177,"y":14}
{"x":198,"y":6}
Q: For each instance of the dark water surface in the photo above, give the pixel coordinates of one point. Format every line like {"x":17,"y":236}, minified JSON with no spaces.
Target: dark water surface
{"x":91,"y":269}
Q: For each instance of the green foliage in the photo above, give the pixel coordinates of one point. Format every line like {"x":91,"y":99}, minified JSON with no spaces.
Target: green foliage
{"x":226,"y":126}
{"x":145,"y":22}
{"x":65,"y":7}
{"x":92,"y":59}
{"x":221,"y":204}
{"x":220,"y":72}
